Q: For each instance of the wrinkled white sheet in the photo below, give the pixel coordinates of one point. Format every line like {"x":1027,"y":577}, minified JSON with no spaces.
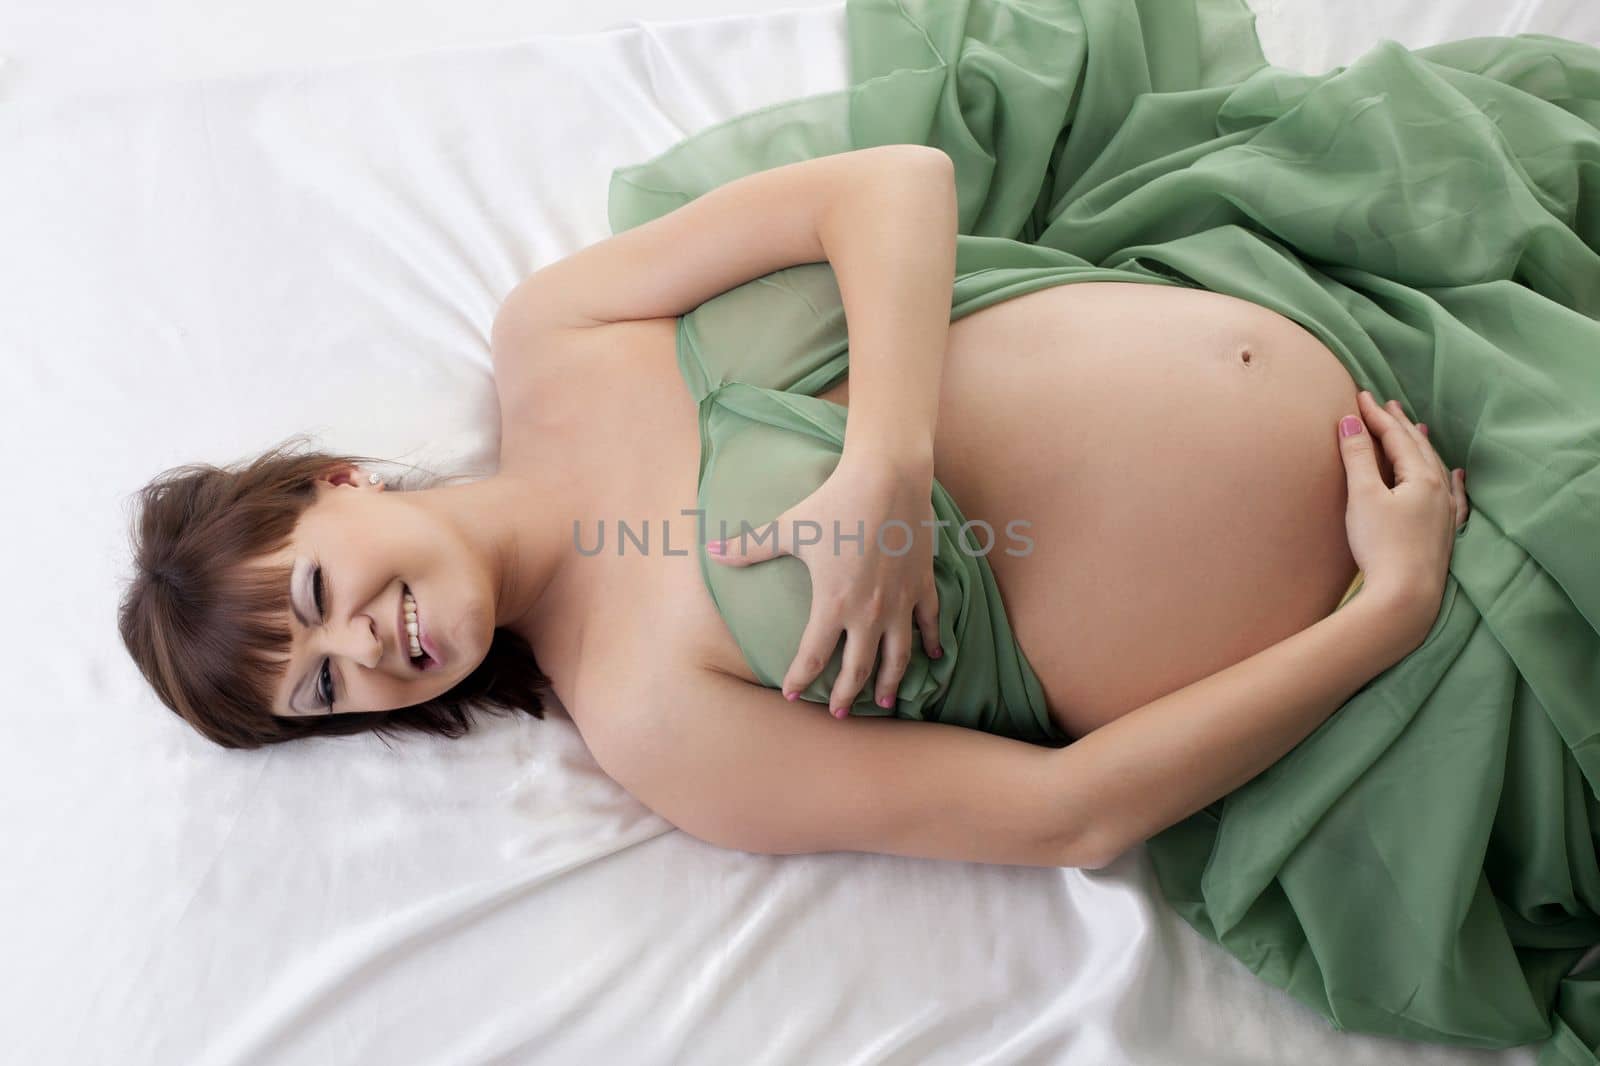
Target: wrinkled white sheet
{"x":193,"y":271}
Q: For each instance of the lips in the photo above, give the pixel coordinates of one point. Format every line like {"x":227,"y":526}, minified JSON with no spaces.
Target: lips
{"x":435,"y":660}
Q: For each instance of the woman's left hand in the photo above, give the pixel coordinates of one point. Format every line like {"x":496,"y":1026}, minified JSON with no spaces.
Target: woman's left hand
{"x":857,"y":587}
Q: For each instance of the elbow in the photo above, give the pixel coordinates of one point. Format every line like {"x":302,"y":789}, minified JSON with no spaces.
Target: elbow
{"x":1088,"y":861}
{"x":936,"y":160}
{"x":940,"y":160}
{"x":1095,"y":861}
{"x":1094,"y":852}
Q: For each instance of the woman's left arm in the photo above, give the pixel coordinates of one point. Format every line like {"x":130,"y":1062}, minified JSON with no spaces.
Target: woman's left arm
{"x":892,"y":245}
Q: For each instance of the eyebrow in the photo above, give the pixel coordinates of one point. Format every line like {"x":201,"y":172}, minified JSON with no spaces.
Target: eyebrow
{"x":295,"y":607}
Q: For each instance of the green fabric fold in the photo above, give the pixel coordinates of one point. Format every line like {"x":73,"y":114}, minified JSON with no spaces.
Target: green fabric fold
{"x":1423,"y":865}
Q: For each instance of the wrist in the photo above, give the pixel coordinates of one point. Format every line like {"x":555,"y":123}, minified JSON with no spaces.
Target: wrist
{"x":1403,"y":615}
{"x":905,"y":456}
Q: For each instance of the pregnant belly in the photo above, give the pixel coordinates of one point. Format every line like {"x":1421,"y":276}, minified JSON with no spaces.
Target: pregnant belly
{"x":1175,"y":453}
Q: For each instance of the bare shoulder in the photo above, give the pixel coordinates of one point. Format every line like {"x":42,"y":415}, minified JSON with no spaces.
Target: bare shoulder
{"x":526,"y":346}
{"x":552,"y":378}
{"x":613,"y":705}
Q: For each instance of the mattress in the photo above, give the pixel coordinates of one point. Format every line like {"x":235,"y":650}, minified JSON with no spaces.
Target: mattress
{"x":202,"y":264}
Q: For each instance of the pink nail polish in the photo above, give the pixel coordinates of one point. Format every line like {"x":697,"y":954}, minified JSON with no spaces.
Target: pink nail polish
{"x":714,"y":547}
{"x":791,"y":696}
{"x":886,"y":703}
{"x":936,"y":653}
{"x":841,"y":713}
{"x":1349,"y":426}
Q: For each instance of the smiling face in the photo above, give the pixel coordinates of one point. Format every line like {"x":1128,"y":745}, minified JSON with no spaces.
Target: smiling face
{"x":353,"y":553}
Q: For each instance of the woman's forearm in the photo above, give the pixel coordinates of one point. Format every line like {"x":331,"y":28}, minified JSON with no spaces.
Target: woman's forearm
{"x":891,"y":240}
{"x":1160,"y":763}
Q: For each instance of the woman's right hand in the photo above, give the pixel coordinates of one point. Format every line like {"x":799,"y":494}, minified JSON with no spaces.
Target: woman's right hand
{"x":1401,"y":537}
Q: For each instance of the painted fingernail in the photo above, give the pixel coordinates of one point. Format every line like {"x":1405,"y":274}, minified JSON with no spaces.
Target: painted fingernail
{"x":936,"y":653}
{"x":1349,"y":426}
{"x":840,"y":712}
{"x":714,"y":547}
{"x":1423,"y":426}
{"x":791,"y":696}
{"x":886,"y":702}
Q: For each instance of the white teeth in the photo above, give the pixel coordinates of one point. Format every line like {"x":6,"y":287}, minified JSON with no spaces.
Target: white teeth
{"x":411,"y":624}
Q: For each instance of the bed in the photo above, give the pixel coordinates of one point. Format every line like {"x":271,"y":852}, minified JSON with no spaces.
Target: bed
{"x":202,"y":264}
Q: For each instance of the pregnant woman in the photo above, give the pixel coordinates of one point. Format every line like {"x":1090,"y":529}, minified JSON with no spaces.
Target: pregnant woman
{"x":1181,"y":512}
{"x":1048,"y":460}
{"x":1166,"y":517}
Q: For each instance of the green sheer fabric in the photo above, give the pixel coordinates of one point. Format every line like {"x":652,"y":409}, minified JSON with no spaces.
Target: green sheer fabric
{"x":754,"y":359}
{"x":1424,"y":864}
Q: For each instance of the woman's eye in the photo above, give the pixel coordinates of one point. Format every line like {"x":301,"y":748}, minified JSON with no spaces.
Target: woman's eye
{"x":324,"y":692}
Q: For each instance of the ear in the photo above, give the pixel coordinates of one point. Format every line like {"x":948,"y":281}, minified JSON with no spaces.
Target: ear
{"x":348,"y":474}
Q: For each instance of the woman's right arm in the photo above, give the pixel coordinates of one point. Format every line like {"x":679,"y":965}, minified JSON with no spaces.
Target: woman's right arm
{"x":737,"y":765}
{"x":1160,"y":763}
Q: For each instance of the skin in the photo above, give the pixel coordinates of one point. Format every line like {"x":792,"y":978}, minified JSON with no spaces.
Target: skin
{"x":1073,"y":409}
{"x":1172,"y":449}
{"x":468,"y":563}
{"x":498,"y":552}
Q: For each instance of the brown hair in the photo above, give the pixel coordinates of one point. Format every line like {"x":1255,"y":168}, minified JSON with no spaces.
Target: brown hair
{"x":207,"y":626}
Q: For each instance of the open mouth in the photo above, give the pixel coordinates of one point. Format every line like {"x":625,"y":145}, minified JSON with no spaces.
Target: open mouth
{"x":411,"y":615}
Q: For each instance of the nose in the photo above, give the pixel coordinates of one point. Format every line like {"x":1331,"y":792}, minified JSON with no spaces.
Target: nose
{"x":359,"y":642}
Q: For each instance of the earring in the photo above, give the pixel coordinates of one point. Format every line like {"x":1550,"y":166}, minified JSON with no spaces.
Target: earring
{"x":374,"y":479}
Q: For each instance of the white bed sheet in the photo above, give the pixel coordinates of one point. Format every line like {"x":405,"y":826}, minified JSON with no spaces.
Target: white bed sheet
{"x":195,"y":270}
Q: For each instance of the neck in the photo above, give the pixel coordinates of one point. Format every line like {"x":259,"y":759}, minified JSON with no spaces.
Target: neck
{"x":519,"y":527}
